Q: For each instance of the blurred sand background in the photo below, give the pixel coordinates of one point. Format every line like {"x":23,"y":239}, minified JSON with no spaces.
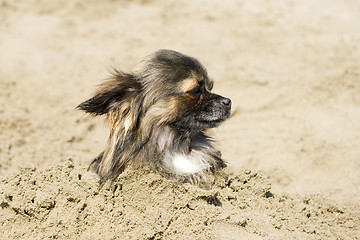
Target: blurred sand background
{"x":291,"y":68}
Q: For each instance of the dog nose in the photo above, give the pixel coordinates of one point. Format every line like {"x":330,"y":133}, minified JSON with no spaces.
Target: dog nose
{"x":226,"y":102}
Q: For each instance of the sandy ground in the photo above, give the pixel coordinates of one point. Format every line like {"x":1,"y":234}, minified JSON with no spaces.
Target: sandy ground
{"x":291,"y":68}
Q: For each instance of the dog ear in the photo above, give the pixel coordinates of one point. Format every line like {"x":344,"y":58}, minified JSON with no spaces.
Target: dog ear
{"x":119,"y":88}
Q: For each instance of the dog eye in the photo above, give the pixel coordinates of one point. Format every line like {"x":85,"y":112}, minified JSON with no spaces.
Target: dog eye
{"x":210,"y":85}
{"x":195,"y":91}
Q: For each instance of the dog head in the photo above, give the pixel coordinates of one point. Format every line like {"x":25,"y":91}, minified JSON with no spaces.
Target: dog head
{"x":166,"y":88}
{"x":167,"y":92}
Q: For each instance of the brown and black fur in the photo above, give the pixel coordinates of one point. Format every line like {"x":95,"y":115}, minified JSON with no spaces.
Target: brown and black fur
{"x":158,"y":115}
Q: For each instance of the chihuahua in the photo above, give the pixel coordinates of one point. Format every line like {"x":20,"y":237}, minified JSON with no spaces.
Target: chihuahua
{"x":158,"y":116}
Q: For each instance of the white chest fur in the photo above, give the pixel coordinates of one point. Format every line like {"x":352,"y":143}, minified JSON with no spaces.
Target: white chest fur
{"x":186,"y":164}
{"x":178,"y":160}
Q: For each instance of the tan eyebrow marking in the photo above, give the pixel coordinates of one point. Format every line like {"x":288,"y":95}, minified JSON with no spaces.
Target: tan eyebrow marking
{"x":188,"y":84}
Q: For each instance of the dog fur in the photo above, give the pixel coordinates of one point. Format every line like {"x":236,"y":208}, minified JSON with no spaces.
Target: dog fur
{"x":158,"y":115}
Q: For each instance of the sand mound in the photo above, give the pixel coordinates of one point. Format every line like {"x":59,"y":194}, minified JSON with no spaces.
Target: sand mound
{"x":64,"y":202}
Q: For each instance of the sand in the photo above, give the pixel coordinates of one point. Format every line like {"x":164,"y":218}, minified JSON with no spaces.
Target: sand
{"x":291,"y":68}
{"x":65,"y":202}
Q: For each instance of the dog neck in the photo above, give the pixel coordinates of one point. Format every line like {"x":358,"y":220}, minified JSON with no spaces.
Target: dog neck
{"x":182,"y":153}
{"x":173,"y":139}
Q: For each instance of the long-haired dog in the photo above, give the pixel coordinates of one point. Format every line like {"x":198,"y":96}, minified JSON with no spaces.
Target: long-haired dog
{"x":158,"y":115}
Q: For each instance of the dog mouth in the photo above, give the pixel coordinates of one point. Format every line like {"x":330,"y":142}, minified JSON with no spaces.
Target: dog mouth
{"x":214,"y":120}
{"x":211,"y":123}
{"x":216,"y":113}
{"x":211,"y":114}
